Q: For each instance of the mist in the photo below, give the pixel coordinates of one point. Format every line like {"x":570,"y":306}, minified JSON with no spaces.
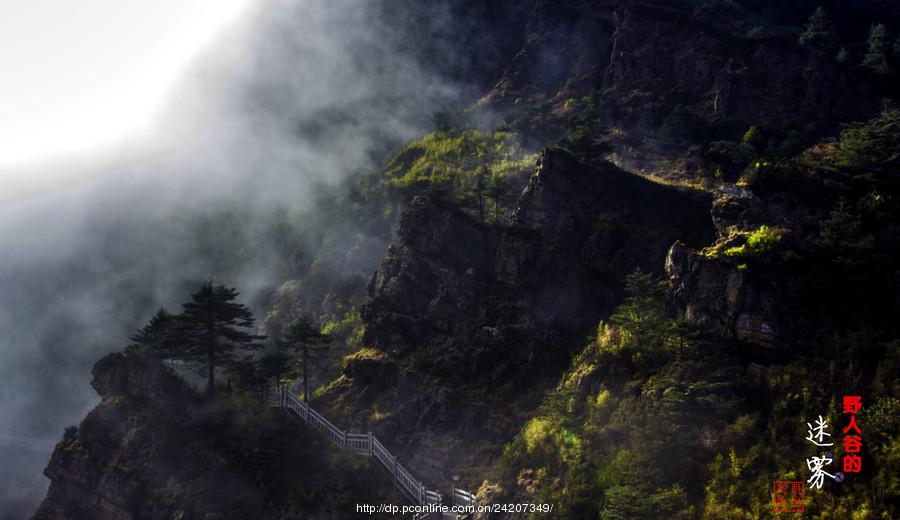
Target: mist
{"x":296,"y":98}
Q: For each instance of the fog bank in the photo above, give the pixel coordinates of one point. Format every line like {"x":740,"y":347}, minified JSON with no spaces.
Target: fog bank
{"x":301,"y":93}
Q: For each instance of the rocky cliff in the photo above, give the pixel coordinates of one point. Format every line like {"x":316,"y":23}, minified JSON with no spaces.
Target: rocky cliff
{"x":648,"y":58}
{"x":472,"y":321}
{"x":153,"y":449}
{"x":470,"y":325}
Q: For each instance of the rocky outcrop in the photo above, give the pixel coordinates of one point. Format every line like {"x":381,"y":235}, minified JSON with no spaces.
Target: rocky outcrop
{"x":738,"y":304}
{"x":94,"y":470}
{"x":462,"y":307}
{"x":154,"y":450}
{"x":647,"y":58}
{"x":578,"y":230}
{"x":747,"y":304}
{"x":564,"y":42}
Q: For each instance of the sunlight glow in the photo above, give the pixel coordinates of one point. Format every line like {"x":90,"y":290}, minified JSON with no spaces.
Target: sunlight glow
{"x":78,"y":78}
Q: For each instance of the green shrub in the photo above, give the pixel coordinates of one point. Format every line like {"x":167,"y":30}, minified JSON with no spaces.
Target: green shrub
{"x":762,"y":241}
{"x":477,"y":170}
{"x":347,"y":328}
{"x":450,"y":158}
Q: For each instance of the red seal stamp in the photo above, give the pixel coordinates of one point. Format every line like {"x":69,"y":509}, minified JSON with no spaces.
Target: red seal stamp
{"x":787,"y":497}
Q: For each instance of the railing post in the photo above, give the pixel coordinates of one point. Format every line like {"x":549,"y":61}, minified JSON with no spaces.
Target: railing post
{"x":283,"y":396}
{"x":371,"y":445}
{"x":343,"y":439}
{"x":394,"y":466}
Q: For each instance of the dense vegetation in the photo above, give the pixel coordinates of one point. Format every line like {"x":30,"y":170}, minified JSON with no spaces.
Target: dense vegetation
{"x":657,"y":419}
{"x":660,"y":417}
{"x":477,"y":169}
{"x":182,"y":455}
{"x":659,"y":414}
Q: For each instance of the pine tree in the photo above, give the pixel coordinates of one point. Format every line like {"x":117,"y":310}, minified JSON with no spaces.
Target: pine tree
{"x":212,"y":333}
{"x":643,"y":312}
{"x":819,"y":33}
{"x":156,"y":338}
{"x":876,"y":59}
{"x":304,"y":337}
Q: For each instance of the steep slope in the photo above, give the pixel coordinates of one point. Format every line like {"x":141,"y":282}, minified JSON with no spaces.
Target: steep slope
{"x":694,"y":414}
{"x":153,"y":449}
{"x":468,"y":323}
{"x":781,"y":271}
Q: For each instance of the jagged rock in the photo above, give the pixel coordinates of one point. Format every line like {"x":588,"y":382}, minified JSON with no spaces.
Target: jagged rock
{"x":422,"y":288}
{"x":154,"y":450}
{"x":564,"y":41}
{"x":739,"y":304}
{"x":133,"y":377}
{"x":463,"y":305}
{"x":649,"y":57}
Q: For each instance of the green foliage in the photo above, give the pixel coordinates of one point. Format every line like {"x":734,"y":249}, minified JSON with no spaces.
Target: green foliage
{"x":346,"y":328}
{"x":472,"y":168}
{"x":771,"y":443}
{"x":842,"y":233}
{"x":763,"y":241}
{"x":449,"y":160}
{"x":819,"y":33}
{"x":613,"y":452}
{"x":211,"y":332}
{"x":641,"y":320}
{"x":870,"y":150}
{"x":631,"y":424}
{"x":156,"y":339}
{"x":876,"y":58}
{"x":583,"y":126}
{"x":752,"y":137}
{"x":308,"y":340}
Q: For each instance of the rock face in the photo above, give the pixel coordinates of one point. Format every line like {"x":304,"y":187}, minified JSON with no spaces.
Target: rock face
{"x":464,"y":306}
{"x":647,"y":58}
{"x":751,"y":305}
{"x":98,"y":469}
{"x":738,"y":304}
{"x":153,"y":449}
{"x":578,"y":230}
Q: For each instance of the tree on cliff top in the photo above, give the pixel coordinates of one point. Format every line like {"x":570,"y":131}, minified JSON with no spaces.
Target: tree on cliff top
{"x":211,"y":331}
{"x":156,"y":338}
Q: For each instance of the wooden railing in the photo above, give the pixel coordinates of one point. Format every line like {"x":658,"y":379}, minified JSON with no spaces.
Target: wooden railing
{"x":367,"y":444}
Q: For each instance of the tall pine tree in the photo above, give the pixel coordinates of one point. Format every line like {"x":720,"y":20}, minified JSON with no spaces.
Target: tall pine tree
{"x":304,"y":337}
{"x":212,"y":331}
{"x":156,"y":339}
{"x":820,"y":33}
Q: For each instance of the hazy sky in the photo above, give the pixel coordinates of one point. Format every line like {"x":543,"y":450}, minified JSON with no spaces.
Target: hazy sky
{"x":80,"y":77}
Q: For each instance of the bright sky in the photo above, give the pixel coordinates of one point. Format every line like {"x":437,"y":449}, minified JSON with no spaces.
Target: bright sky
{"x":79,"y":76}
